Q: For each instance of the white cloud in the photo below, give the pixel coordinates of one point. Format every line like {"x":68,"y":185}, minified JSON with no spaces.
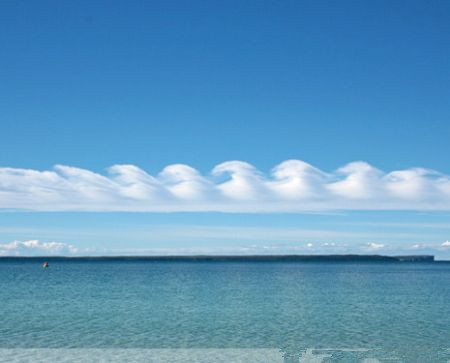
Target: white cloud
{"x":375,"y":246}
{"x":35,"y":247}
{"x":233,"y":186}
{"x":361,"y":181}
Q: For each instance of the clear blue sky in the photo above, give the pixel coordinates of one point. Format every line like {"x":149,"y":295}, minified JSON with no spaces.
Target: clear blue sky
{"x":151,"y":83}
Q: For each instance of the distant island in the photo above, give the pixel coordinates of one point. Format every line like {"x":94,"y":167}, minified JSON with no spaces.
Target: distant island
{"x":237,"y":258}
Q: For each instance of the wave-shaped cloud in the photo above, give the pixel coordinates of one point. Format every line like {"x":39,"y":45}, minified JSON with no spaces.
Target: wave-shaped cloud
{"x":233,"y":186}
{"x":36,"y":248}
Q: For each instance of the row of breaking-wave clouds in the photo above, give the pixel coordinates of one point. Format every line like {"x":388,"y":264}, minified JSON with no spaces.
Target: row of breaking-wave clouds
{"x":232,"y":186}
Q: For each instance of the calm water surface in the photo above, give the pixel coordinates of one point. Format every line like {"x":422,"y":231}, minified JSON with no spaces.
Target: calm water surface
{"x":396,"y":312}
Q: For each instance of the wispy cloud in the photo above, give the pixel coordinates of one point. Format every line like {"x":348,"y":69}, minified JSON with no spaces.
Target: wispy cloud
{"x":233,"y":186}
{"x":401,"y":225}
{"x":36,"y":248}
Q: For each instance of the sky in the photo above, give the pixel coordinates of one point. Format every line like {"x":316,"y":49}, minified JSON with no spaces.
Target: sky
{"x":174,"y":127}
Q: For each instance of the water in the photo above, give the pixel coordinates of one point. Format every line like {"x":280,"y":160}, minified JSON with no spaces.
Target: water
{"x":224,"y":311}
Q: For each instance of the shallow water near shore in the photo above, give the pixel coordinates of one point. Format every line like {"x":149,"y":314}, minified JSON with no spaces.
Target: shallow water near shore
{"x":225,"y":311}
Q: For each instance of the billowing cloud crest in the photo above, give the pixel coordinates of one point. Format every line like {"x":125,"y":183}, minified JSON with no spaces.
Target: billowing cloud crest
{"x":233,"y":186}
{"x":35,"y":247}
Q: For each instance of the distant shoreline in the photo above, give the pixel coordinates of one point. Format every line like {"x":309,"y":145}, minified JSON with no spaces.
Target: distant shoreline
{"x":237,"y":258}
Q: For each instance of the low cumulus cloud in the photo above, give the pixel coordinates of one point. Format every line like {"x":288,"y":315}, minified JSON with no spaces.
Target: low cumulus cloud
{"x":233,"y":186}
{"x":375,"y":246}
{"x":36,"y":248}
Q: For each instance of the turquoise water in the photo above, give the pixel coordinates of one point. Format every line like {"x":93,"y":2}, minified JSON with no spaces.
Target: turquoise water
{"x":342,"y":312}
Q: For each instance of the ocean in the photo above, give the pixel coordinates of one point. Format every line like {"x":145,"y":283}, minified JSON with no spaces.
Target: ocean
{"x":216,"y":311}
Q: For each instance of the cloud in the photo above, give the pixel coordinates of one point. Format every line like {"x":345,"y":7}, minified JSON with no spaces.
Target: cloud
{"x":375,"y":246}
{"x":245,"y":247}
{"x":232,"y":186}
{"x":35,"y":247}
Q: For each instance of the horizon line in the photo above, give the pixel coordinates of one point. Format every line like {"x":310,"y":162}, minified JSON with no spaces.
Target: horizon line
{"x":261,"y":258}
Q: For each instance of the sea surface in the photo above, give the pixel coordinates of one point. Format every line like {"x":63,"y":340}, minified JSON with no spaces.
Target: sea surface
{"x":149,"y":311}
